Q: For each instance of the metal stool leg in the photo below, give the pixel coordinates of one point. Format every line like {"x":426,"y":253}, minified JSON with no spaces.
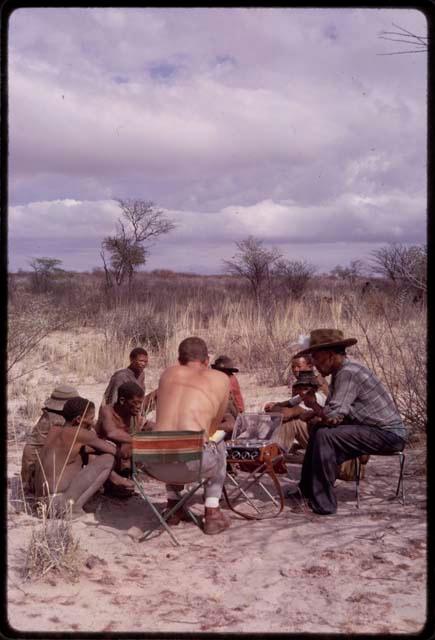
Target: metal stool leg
{"x":357,"y":479}
{"x":401,"y":483}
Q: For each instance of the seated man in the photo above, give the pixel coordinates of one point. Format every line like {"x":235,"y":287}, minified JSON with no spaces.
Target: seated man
{"x":115,"y":424}
{"x":60,"y":476}
{"x":193,"y":397}
{"x":236,"y":403}
{"x":135,"y":372}
{"x":51,"y":414}
{"x":359,"y":417}
{"x":305,"y":363}
{"x":294,"y":431}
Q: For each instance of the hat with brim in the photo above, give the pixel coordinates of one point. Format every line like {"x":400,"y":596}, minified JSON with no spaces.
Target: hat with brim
{"x":306,"y":379}
{"x":225,"y":364}
{"x":59,"y":396}
{"x":324,"y":339}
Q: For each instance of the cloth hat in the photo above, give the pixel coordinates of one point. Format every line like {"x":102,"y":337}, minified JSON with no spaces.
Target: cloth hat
{"x":59,"y":396}
{"x":225,"y":364}
{"x":306,"y":378}
{"x":321,"y":339}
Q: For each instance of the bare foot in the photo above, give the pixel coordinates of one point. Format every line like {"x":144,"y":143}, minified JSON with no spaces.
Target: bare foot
{"x":119,"y":481}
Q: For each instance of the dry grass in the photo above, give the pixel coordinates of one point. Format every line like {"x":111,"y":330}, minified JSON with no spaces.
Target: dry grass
{"x":164,"y":309}
{"x":53,"y":548}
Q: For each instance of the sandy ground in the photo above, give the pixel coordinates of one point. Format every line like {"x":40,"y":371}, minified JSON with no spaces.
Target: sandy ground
{"x":358,"y":571}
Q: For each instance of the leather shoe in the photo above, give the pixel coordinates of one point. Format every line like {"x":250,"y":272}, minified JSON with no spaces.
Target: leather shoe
{"x":215,"y":521}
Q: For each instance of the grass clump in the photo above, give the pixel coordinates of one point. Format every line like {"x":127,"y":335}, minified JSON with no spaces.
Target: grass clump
{"x":53,"y":549}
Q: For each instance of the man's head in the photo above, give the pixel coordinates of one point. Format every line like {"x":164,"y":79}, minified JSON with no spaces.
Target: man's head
{"x":60,"y":394}
{"x":301,"y":363}
{"x":138,"y":360}
{"x":130,"y":397}
{"x":224,"y":364}
{"x":327,"y":348}
{"x":79,"y":411}
{"x":192,"y":349}
{"x":306,"y":381}
{"x":329,"y":360}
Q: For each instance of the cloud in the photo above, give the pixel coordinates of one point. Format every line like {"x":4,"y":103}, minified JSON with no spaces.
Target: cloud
{"x":73,"y":226}
{"x":236,"y":120}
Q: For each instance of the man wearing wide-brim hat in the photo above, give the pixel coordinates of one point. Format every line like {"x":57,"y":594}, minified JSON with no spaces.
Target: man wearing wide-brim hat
{"x":51,"y":414}
{"x":236,"y":404}
{"x":359,"y":417}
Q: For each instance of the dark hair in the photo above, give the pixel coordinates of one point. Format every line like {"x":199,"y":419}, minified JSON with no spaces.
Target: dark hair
{"x":129,"y":389}
{"x":76,"y":407}
{"x":191,"y":350}
{"x":306,"y":356}
{"x":138,"y":351}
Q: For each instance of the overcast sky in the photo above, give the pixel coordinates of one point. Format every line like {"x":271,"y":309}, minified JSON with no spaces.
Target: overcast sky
{"x":280,"y":123}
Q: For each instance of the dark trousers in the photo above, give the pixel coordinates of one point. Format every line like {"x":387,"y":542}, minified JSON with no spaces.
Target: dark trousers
{"x":328,"y":447}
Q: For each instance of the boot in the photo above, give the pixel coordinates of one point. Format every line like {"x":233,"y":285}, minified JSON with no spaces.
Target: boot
{"x":214,"y":521}
{"x":178,"y":516}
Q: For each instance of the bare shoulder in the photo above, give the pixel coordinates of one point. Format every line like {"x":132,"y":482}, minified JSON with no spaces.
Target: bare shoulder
{"x":106,"y":410}
{"x":218,"y":379}
{"x":169,"y":372}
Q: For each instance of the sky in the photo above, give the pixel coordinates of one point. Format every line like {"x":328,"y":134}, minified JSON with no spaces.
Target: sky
{"x":281,"y":123}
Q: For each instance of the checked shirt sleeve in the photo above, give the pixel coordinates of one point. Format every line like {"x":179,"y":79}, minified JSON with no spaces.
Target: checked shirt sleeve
{"x":343,"y":395}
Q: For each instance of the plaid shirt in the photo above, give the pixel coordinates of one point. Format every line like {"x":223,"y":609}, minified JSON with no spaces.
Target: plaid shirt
{"x":360,"y":397}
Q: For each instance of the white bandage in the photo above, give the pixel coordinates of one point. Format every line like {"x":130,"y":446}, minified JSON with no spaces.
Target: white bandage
{"x":211,"y":503}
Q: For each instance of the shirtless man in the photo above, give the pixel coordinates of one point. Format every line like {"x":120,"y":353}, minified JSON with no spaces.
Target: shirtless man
{"x":114,"y":424}
{"x":59,"y":475}
{"x":191,"y":396}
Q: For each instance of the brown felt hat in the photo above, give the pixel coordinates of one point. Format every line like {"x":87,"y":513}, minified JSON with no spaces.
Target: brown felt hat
{"x":323,"y":339}
{"x":225,"y":364}
{"x":59,"y":396}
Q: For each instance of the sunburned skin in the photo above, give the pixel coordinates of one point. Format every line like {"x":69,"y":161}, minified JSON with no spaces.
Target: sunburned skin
{"x":192,"y":397}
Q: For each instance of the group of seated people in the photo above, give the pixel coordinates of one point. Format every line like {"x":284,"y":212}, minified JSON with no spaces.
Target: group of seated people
{"x":69,"y":456}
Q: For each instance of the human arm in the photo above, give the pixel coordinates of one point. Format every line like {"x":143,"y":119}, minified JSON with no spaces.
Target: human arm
{"x":149,"y":402}
{"x":109,"y":428}
{"x":223,"y":405}
{"x":92,"y":442}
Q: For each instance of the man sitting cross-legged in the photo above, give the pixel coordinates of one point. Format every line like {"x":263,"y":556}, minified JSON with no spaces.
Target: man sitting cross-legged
{"x":59,"y":475}
{"x":192,"y":397}
{"x":294,"y":431}
{"x":115,"y":424}
{"x":51,"y":414}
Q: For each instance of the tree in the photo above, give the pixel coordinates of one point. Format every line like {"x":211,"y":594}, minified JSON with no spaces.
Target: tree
{"x":254,"y":263}
{"x":351,"y":273}
{"x":421,"y":43}
{"x":294,"y":275}
{"x":140,"y":223}
{"x":45,"y":271}
{"x":403,"y":266}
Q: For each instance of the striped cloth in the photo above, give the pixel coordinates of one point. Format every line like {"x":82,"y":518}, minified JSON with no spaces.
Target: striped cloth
{"x":167,"y":446}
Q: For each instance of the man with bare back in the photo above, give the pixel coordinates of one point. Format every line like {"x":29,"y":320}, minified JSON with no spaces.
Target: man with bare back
{"x":60,"y":476}
{"x":115,"y":424}
{"x":192,"y":397}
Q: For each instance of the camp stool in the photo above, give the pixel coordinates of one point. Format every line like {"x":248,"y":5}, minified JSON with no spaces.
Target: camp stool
{"x":400,"y":485}
{"x":252,"y":455}
{"x":170,"y":448}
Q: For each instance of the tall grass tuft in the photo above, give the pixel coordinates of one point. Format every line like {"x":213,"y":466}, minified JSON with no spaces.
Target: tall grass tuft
{"x":53,"y":548}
